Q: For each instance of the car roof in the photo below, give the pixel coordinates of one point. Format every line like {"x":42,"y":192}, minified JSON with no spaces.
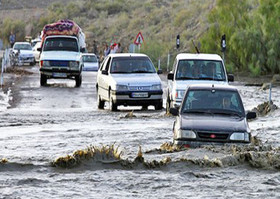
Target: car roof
{"x":198,"y":56}
{"x":86,"y":54}
{"x":211,"y":87}
{"x":128,"y":55}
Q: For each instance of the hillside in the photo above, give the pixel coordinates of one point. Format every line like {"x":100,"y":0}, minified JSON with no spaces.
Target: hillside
{"x":250,"y":26}
{"x":117,"y":21}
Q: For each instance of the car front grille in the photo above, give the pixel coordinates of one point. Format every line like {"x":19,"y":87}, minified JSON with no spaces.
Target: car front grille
{"x":212,"y":135}
{"x":139,"y":88}
{"x":59,"y":63}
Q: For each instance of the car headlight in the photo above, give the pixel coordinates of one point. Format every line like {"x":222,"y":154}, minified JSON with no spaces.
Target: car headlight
{"x":181,"y":133}
{"x":179,"y":94}
{"x":121,"y":88}
{"x":45,"y":63}
{"x":239,"y":136}
{"x":74,"y":64}
{"x":156,"y":87}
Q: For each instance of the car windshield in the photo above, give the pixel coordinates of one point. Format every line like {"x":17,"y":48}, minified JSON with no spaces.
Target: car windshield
{"x":61,"y":44}
{"x":200,"y":70}
{"x":22,"y":47}
{"x":89,"y":58}
{"x":213,"y":101}
{"x":132,"y":65}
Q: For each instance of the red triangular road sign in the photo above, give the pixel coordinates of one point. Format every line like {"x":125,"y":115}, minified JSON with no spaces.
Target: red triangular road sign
{"x":139,"y":39}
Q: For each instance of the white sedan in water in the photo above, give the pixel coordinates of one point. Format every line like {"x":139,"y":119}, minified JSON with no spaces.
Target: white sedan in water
{"x":90,"y":62}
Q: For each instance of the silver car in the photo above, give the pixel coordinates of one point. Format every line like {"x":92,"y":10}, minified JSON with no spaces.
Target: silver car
{"x":128,"y":79}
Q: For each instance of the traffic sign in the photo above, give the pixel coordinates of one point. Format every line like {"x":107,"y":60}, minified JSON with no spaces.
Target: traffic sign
{"x":139,"y":39}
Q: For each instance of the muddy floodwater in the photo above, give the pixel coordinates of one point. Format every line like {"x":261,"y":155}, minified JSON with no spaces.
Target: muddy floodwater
{"x":55,"y":143}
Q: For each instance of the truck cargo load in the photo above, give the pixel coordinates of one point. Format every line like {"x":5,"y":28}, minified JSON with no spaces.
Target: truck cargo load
{"x":64,"y":27}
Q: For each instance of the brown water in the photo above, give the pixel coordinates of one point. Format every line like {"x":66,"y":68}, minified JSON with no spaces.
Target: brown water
{"x":48,"y":123}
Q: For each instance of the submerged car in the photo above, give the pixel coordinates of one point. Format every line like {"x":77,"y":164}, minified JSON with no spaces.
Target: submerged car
{"x":128,"y":79}
{"x":24,"y":50}
{"x":211,"y":114}
{"x":90,"y":62}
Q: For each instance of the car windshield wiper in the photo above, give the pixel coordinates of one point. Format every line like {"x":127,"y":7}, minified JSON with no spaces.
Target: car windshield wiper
{"x":195,"y":111}
{"x":183,"y":78}
{"x":120,"y":72}
{"x":141,"y":71}
{"x":228,"y":113}
{"x":211,"y":78}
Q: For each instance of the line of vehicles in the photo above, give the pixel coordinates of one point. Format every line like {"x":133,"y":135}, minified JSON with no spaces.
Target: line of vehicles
{"x":207,"y":108}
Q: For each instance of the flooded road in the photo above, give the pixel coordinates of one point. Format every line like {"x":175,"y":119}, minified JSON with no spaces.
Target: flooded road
{"x":124,"y":157}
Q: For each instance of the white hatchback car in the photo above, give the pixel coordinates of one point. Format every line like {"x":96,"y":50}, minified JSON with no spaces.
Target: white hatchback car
{"x":194,"y":69}
{"x":90,"y":62}
{"x":128,"y":79}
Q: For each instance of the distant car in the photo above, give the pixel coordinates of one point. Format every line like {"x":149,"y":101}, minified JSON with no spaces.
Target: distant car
{"x":35,"y":41}
{"x":36,"y":53}
{"x":128,"y":79}
{"x":25,"y":52}
{"x":211,"y":114}
{"x":90,"y":62}
{"x":194,"y":69}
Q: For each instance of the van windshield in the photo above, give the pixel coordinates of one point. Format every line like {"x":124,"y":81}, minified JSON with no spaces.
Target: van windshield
{"x":200,"y":70}
{"x":132,"y":65}
{"x":61,"y":44}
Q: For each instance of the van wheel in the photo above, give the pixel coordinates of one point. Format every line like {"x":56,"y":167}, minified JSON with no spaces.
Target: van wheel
{"x":78,"y":80}
{"x":158,"y":106}
{"x":167,"y":105}
{"x":43,"y":80}
{"x":100,"y":103}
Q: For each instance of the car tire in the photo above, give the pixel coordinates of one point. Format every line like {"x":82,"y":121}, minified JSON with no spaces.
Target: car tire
{"x":43,"y":80}
{"x":113,"y":106}
{"x":78,"y":80}
{"x":100,"y":103}
{"x":167,"y":105}
{"x":158,"y":106}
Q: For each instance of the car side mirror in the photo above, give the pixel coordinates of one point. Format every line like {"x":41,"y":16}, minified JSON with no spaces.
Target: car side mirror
{"x":159,"y":71}
{"x":104,"y":72}
{"x":83,"y":50}
{"x":174,"y":111}
{"x":251,"y":115}
{"x":39,"y":49}
{"x":170,"y":76}
{"x":230,"y":77}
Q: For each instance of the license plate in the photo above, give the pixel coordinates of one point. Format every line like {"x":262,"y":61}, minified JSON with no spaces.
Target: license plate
{"x":140,"y":95}
{"x":59,"y":75}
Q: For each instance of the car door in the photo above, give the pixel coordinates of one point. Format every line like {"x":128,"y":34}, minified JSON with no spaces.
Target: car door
{"x":103,"y":79}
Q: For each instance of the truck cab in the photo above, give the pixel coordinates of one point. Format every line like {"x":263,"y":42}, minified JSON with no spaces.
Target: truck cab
{"x":60,"y":58}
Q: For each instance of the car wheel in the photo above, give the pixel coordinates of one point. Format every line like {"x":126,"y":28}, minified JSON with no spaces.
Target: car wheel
{"x":167,"y":105}
{"x":158,"y":106}
{"x":113,"y":106}
{"x":100,"y":103}
{"x":43,"y":80}
{"x":78,"y":80}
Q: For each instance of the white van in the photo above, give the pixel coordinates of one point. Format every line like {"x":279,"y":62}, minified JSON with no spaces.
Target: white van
{"x":194,"y":69}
